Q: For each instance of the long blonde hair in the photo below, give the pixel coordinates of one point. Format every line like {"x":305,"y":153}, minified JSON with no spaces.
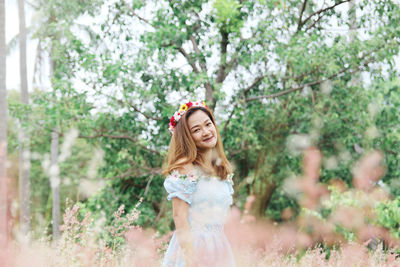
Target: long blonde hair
{"x":182,"y":148}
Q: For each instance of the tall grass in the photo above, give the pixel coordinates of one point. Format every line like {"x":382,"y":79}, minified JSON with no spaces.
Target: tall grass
{"x":336,"y":227}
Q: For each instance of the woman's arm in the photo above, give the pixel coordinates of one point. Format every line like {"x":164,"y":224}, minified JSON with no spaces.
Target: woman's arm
{"x":180,"y":210}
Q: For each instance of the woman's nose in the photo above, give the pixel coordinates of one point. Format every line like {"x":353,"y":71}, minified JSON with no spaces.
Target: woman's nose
{"x":206,"y":132}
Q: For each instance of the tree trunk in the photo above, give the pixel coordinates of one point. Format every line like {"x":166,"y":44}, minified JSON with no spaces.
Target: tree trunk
{"x":210,"y":99}
{"x":55,"y":184}
{"x":24,"y":153}
{"x":54,"y":168}
{"x":3,"y":130}
{"x":263,"y":185}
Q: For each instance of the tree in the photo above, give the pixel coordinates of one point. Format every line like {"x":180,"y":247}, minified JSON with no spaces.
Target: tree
{"x":60,"y":16}
{"x":275,"y":73}
{"x":284,"y":68}
{"x":55,"y":184}
{"x":74,"y":167}
{"x":24,"y":157}
{"x":3,"y":131}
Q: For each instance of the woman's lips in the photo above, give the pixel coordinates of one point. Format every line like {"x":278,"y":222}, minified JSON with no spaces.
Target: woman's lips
{"x":208,"y":139}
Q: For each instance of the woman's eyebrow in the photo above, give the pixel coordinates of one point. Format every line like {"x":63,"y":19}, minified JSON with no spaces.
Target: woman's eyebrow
{"x":197,"y":125}
{"x":194,"y":126}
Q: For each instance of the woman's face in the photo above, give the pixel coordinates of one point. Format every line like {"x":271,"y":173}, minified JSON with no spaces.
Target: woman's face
{"x":202,"y":130}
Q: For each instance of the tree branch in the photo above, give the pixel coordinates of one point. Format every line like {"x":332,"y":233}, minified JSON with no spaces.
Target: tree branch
{"x":234,"y":58}
{"x":141,"y":112}
{"x":231,"y":63}
{"x":209,"y":88}
{"x":230,"y":116}
{"x":335,"y":75}
{"x":315,"y":22}
{"x":221,"y":75}
{"x":128,"y":173}
{"x":161,"y":212}
{"x":308,"y":84}
{"x":188,"y":58}
{"x":135,"y":171}
{"x":251,"y":86}
{"x":129,"y":138}
{"x":119,"y":101}
{"x":300,"y":76}
{"x":322,"y":11}
{"x":299,"y":23}
{"x":199,"y":54}
{"x":256,"y":81}
{"x":150,"y":170}
{"x":133,"y":13}
{"x":178,"y":47}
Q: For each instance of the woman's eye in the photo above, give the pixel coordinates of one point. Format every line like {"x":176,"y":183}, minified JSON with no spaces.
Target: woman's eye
{"x":208,"y":124}
{"x":195,"y":131}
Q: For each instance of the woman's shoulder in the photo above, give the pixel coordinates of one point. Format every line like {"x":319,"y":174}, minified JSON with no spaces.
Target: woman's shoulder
{"x":187,"y":168}
{"x":184,"y":172}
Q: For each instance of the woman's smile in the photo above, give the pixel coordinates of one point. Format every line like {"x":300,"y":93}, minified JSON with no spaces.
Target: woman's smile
{"x":208,"y":139}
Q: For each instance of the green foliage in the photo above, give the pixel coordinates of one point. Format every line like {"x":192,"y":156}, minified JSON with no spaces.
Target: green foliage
{"x":384,"y":112}
{"x":227,"y":15}
{"x":388,"y":215}
{"x":332,"y":115}
{"x":73,"y":170}
{"x":279,"y":82}
{"x":279,"y":203}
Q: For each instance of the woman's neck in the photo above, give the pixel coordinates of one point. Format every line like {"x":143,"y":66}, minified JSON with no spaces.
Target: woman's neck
{"x":207,"y":157}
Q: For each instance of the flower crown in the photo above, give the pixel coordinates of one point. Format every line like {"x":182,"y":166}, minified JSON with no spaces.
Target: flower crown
{"x":178,"y":115}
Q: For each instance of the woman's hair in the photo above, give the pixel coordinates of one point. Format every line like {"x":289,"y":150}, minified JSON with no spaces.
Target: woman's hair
{"x":182,"y":148}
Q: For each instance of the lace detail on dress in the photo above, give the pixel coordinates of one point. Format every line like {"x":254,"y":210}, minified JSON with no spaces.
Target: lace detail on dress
{"x":180,"y":185}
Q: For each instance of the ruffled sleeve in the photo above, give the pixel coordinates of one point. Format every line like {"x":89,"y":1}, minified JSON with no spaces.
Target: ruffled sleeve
{"x":180,"y":185}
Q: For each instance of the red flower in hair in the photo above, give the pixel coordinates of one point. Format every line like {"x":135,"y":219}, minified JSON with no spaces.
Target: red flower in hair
{"x":172,"y":121}
{"x":189,"y":104}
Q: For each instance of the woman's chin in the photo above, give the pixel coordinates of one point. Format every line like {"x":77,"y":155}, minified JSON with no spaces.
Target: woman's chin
{"x":211,"y":144}
{"x":207,"y":145}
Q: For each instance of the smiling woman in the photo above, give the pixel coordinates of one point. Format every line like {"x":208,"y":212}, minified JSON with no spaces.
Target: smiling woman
{"x":202,"y":130}
{"x":200,"y":186}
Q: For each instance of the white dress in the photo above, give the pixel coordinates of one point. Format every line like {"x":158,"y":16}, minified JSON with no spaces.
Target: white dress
{"x":209,"y":198}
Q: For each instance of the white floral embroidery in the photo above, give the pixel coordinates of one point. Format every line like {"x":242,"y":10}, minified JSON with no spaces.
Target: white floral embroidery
{"x":191,"y":177}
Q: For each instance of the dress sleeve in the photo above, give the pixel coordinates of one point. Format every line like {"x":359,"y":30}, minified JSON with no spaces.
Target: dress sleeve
{"x":181,"y":186}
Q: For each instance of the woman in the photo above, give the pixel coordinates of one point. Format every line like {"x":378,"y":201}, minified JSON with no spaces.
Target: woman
{"x":200,"y":186}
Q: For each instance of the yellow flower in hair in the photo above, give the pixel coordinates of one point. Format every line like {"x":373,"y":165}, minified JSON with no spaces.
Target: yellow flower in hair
{"x":184,"y":107}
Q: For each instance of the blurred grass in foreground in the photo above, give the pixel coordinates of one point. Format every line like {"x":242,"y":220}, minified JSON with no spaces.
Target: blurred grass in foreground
{"x":337,"y":226}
